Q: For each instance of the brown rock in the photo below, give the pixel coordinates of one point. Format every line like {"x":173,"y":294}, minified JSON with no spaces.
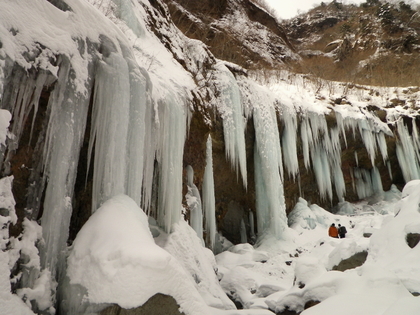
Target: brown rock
{"x":157,"y":305}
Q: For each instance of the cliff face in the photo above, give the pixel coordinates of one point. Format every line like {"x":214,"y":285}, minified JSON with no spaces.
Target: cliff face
{"x":359,"y":43}
{"x":237,"y":31}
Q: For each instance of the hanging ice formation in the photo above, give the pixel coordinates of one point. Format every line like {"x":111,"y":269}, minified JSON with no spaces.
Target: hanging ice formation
{"x":289,"y":142}
{"x":408,"y":152}
{"x":232,"y":113}
{"x":322,"y":146}
{"x":367,"y":182}
{"x":208,"y":196}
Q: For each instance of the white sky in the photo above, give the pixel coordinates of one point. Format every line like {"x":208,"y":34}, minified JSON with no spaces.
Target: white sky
{"x":287,"y":9}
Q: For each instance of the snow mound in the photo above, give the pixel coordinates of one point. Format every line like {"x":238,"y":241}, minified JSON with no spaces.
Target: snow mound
{"x":116,"y":259}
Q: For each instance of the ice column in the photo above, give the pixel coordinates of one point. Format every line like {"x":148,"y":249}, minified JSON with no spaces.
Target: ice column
{"x":110,"y":120}
{"x":140,"y":102}
{"x":64,"y":135}
{"x":271,"y":214}
{"x":171,"y":120}
{"x":208,"y":196}
{"x":194,"y":203}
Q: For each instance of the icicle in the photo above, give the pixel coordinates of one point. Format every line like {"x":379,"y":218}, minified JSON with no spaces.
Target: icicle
{"x":251,"y":227}
{"x":356,"y":158}
{"x":388,"y":164}
{"x":233,"y":123}
{"x":208,"y":196}
{"x":341,"y":126}
{"x":406,"y":153}
{"x":322,"y":172}
{"x":244,"y":238}
{"x":415,"y":138}
{"x":194,"y":204}
{"x":380,"y":138}
{"x":376,"y":181}
{"x":288,"y":141}
{"x":368,"y":140}
{"x":136,"y":146}
{"x":368,"y":182}
{"x":363,"y":183}
{"x":24,"y":99}
{"x":306,"y":136}
{"x":335,"y":163}
{"x":150,"y":144}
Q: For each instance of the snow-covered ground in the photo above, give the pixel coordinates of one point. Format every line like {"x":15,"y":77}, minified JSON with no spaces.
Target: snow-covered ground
{"x":291,"y":274}
{"x":115,"y":254}
{"x":117,"y":260}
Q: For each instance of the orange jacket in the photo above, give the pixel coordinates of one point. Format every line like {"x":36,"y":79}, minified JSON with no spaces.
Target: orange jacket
{"x":333,"y":232}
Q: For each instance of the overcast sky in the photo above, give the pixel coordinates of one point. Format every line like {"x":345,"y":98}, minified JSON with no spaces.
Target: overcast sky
{"x":289,"y":8}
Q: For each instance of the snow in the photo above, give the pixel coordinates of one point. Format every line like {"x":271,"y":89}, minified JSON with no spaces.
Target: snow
{"x":380,"y":286}
{"x":141,"y":116}
{"x":116,"y":259}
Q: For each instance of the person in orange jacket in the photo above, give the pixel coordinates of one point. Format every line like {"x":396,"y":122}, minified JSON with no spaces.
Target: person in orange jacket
{"x":332,"y":231}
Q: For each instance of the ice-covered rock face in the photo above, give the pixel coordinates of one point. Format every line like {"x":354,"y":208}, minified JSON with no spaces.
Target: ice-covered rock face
{"x":102,"y":105}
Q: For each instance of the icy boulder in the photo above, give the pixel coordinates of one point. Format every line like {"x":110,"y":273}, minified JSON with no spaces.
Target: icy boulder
{"x":301,"y":216}
{"x":115,"y":260}
{"x":304,"y":216}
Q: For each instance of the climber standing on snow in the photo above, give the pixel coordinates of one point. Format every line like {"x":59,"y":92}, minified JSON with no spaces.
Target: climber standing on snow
{"x":332,"y":231}
{"x":342,"y":231}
